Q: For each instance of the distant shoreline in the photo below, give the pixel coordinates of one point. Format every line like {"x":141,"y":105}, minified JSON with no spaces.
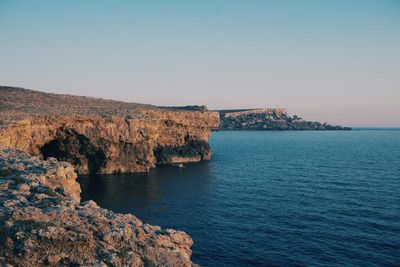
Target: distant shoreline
{"x":270,"y":119}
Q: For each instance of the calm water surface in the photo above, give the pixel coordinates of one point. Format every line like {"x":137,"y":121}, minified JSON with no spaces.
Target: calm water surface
{"x":275,"y":199}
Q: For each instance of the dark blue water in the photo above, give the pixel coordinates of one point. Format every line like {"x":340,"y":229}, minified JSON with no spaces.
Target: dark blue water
{"x":275,"y":198}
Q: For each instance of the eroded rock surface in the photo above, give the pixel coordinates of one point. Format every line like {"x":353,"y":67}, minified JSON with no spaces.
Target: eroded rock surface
{"x":103,"y":136}
{"x":42,"y":222}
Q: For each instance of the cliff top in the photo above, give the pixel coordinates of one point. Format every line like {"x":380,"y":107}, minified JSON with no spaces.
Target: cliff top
{"x":13,"y":99}
{"x":17,"y":103}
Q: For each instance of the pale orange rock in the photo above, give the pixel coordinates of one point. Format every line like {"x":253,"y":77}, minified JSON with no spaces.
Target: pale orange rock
{"x":102,"y":136}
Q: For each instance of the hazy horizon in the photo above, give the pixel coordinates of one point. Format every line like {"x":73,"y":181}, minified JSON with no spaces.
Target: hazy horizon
{"x":336,"y":62}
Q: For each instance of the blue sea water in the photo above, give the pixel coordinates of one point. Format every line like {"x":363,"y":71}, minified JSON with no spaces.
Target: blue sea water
{"x":312,"y":198}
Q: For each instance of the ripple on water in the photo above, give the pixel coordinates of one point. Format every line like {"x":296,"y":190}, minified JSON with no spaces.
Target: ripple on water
{"x":275,"y":199}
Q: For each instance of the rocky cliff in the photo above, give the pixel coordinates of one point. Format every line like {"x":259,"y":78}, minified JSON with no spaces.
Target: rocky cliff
{"x":268,"y":119}
{"x":102,"y":136}
{"x":42,"y":222}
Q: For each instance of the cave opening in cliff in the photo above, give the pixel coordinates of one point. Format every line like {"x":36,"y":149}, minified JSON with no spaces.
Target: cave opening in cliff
{"x":75,"y":148}
{"x":192,"y":149}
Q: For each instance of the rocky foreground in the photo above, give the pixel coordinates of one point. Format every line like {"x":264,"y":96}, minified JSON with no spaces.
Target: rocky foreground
{"x":269,"y":119}
{"x":103,"y":136}
{"x":42,"y":222}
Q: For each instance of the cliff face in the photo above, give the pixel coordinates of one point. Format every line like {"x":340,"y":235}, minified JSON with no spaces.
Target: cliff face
{"x":102,"y":136}
{"x":268,"y":119}
{"x":42,"y":222}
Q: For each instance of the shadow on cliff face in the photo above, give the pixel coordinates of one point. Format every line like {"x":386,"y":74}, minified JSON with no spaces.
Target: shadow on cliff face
{"x":75,"y":148}
{"x":193,"y":149}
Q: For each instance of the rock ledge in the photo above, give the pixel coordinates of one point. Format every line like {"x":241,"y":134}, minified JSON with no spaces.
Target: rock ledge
{"x":42,"y":222}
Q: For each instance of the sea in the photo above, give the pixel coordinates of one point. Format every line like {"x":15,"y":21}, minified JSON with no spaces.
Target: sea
{"x":274,"y":198}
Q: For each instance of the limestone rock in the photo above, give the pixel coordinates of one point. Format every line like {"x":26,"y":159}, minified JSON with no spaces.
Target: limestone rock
{"x":103,"y":136}
{"x":42,"y":222}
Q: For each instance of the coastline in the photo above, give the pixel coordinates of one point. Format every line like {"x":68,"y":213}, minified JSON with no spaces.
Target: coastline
{"x":46,"y":140}
{"x":41,"y":132}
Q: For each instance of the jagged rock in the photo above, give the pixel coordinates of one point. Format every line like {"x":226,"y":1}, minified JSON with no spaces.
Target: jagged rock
{"x":103,"y":136}
{"x":268,"y":119}
{"x":42,"y":222}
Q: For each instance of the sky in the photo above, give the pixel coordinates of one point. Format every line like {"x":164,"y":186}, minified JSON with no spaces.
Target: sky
{"x":330,"y":61}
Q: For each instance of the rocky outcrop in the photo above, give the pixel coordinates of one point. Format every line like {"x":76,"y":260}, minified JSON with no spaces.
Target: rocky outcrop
{"x":102,"y":136}
{"x":268,"y":119}
{"x":42,"y":222}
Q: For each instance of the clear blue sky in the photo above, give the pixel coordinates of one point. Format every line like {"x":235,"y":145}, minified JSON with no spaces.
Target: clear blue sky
{"x":335,"y":61}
